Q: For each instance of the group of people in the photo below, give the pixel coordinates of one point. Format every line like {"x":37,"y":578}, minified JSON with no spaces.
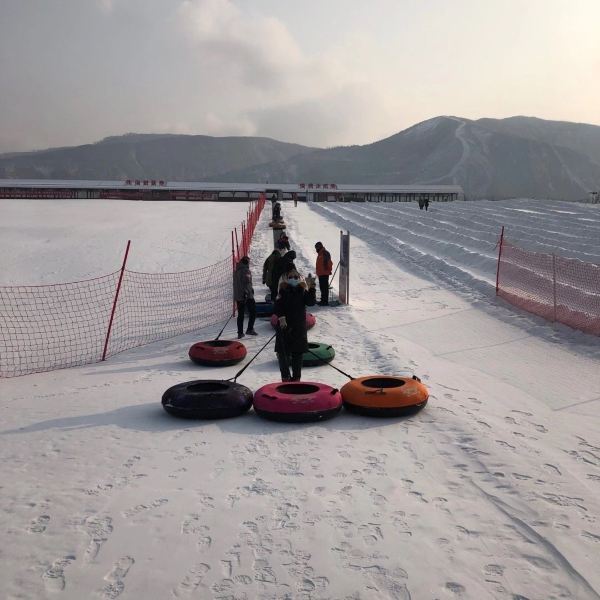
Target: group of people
{"x":291,"y":294}
{"x":424,"y":203}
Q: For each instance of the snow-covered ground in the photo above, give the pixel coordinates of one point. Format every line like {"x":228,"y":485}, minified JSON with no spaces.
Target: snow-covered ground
{"x":492,"y":491}
{"x":46,"y":241}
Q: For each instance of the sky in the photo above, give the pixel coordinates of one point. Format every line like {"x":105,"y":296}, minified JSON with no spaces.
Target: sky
{"x":316,"y":73}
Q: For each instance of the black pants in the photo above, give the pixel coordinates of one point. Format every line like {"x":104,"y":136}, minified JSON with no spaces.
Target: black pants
{"x":250,"y":304}
{"x":324,"y":287}
{"x":273,"y":292}
{"x":284,"y":366}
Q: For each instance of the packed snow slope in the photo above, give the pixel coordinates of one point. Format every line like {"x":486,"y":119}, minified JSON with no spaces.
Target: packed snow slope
{"x":492,"y":491}
{"x":69,"y":240}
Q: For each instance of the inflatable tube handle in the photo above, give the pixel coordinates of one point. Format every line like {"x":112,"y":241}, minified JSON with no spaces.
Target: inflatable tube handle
{"x":270,"y":397}
{"x":334,"y":390}
{"x":416,"y":378}
{"x":379,"y":391}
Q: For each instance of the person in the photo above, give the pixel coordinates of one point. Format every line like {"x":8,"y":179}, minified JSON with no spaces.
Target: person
{"x":323,"y":269}
{"x":283,"y":241}
{"x":421,"y":203}
{"x":426,"y":204}
{"x":243,"y":294}
{"x":295,"y":201}
{"x":277,"y":212}
{"x":291,"y":342}
{"x":281,"y":266}
{"x":268,"y":267}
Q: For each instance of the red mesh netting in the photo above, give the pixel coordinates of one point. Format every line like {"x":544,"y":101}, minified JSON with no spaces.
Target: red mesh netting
{"x":55,"y":326}
{"x":559,"y":289}
{"x":50,"y":327}
{"x":47,"y":327}
{"x":154,"y":307}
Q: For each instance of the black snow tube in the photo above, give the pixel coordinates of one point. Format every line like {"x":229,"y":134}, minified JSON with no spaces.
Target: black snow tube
{"x":264,"y":309}
{"x":217,"y":353}
{"x":207,"y":399}
{"x":319,"y":354}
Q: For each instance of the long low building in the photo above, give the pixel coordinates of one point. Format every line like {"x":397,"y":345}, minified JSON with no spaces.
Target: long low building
{"x":159,"y":189}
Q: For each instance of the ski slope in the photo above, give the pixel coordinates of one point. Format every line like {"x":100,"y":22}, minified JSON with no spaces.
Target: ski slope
{"x":492,"y":491}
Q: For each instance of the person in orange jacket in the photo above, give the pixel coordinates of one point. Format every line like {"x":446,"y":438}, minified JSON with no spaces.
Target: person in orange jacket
{"x":323,"y":269}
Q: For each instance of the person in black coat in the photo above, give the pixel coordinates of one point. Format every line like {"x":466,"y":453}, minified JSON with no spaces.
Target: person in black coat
{"x":281,"y":266}
{"x":243,"y":294}
{"x":295,"y":294}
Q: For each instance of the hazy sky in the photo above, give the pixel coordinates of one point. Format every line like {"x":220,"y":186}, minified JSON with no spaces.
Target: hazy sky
{"x":316,"y":72}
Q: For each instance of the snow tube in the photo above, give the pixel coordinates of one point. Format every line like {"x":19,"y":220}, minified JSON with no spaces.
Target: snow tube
{"x":319,"y":354}
{"x":264,"y":309}
{"x":277,"y":224}
{"x":207,"y":399}
{"x":310,"y":320}
{"x":217,"y":353}
{"x":385,"y":396}
{"x":297,"y":401}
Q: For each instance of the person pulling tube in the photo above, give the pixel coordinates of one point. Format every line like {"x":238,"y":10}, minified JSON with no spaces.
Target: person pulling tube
{"x":243,"y":294}
{"x":295,"y":294}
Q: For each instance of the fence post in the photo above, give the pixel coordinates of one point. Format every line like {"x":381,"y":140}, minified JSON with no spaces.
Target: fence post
{"x":232,"y":253}
{"x":499,"y":257}
{"x":554,"y":284}
{"x":233,"y":269}
{"x":237,"y":246}
{"x":112,"y":314}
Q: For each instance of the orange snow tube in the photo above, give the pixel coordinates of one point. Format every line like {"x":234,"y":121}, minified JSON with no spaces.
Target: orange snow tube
{"x":384,"y":396}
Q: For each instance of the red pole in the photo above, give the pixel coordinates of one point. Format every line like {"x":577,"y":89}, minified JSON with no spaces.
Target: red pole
{"x":499,"y":256}
{"x":232,"y":253}
{"x":112,"y":314}
{"x":237,"y":246}
{"x":233,"y":268}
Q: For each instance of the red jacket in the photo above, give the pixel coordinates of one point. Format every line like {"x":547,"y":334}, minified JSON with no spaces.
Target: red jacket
{"x":324,"y":263}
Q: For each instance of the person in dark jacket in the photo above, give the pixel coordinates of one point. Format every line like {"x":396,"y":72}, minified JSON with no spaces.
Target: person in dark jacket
{"x":243,"y":294}
{"x":283,"y":242}
{"x":277,"y":211}
{"x":426,"y":204}
{"x":295,"y":294}
{"x":281,"y":266}
{"x":268,"y":266}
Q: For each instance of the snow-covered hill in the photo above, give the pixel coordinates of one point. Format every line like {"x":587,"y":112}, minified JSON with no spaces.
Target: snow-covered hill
{"x":490,"y":492}
{"x":489,"y":158}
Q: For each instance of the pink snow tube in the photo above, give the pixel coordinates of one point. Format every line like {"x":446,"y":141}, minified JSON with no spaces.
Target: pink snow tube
{"x":310,"y":320}
{"x":297,"y":401}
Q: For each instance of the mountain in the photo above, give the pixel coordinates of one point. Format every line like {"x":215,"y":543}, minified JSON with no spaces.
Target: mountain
{"x":172,"y":157}
{"x":489,"y":158}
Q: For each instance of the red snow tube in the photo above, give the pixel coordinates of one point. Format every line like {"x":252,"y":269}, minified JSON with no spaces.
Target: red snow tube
{"x":297,"y":401}
{"x":217,"y":353}
{"x":310,"y":320}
